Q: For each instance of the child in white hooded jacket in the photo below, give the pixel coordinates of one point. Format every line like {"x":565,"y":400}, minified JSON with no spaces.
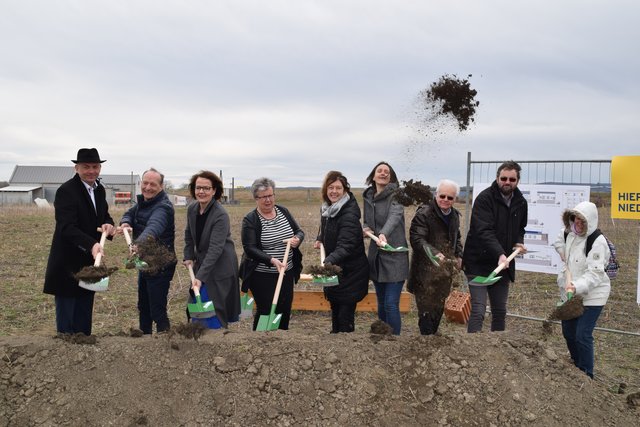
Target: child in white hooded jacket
{"x":588,"y":279}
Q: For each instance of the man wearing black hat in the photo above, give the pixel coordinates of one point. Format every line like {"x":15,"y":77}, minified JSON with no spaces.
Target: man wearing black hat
{"x":80,"y":208}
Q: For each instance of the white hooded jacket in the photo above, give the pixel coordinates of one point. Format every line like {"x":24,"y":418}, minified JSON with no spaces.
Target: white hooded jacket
{"x":587,"y":271}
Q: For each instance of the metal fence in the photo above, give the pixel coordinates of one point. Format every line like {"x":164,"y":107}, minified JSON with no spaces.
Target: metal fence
{"x":595,"y":173}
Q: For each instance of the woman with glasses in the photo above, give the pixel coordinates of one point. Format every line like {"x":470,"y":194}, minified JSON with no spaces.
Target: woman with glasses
{"x":264,"y":230}
{"x":341,"y":234}
{"x":435,"y":231}
{"x":584,"y":274}
{"x":208,"y":247}
{"x":384,"y":217}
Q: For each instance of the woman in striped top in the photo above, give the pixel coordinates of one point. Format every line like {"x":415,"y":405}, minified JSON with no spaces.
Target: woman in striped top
{"x":263,"y":232}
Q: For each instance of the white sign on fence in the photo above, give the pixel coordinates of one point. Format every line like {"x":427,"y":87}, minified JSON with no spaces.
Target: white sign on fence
{"x":545,"y":206}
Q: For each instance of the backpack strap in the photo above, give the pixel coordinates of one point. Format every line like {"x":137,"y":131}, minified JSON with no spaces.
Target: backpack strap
{"x":590,"y":239}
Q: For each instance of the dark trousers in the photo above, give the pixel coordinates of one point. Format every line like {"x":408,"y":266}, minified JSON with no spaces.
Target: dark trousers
{"x":263,"y":286}
{"x":578,"y":333}
{"x":74,"y":314}
{"x":152,"y":300}
{"x":429,"y":320}
{"x":498,"y":294}
{"x":342,"y":317}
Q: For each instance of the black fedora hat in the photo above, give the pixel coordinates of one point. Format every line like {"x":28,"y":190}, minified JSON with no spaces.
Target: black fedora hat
{"x":88,"y":155}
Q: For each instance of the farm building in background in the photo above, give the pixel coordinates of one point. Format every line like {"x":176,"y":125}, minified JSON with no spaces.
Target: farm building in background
{"x":30,"y":182}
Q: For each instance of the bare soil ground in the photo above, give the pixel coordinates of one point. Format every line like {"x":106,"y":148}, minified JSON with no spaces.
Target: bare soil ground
{"x":304,"y":376}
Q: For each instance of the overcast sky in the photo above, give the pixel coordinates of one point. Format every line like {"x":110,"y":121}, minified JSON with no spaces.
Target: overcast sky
{"x":292,"y":89}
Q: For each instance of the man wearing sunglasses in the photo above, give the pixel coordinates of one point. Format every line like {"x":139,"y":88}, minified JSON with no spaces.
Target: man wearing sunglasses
{"x":434,"y":233}
{"x":498,"y":220}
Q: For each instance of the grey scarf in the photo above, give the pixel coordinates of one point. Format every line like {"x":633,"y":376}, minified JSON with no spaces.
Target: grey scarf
{"x":330,"y":211}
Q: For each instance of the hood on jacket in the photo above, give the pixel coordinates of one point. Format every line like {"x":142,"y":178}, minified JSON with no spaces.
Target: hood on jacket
{"x":585,"y":210}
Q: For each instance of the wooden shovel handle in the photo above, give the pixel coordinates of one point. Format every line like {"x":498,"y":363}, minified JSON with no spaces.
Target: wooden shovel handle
{"x":323,"y":255}
{"x":196,"y":291}
{"x":103,"y":239}
{"x":507,"y":261}
{"x":373,"y":237}
{"x":276,"y":294}
{"x":127,"y":237}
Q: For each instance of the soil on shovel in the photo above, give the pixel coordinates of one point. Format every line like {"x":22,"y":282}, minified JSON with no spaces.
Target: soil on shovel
{"x":324,"y":270}
{"x":92,"y":274}
{"x":413,"y":193}
{"x":155,"y":254}
{"x":451,"y":96}
{"x":569,"y":310}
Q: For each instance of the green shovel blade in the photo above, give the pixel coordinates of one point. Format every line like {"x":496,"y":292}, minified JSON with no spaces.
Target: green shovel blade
{"x":434,"y":259}
{"x":198,"y":310}
{"x":489,"y":280}
{"x":326,"y":280}
{"x":269,"y":322}
{"x":390,"y":248}
{"x":246,"y":302}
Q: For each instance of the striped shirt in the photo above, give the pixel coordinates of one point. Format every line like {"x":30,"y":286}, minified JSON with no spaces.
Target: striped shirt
{"x":274,"y":231}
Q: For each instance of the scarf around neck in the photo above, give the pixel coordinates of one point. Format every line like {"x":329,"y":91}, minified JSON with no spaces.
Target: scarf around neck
{"x":330,"y":211}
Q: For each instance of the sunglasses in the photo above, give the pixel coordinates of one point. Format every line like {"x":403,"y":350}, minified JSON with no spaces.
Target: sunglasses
{"x":444,"y":196}
{"x":504,"y":179}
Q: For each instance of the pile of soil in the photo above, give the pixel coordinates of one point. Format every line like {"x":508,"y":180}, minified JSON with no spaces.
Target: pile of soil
{"x":92,"y":274}
{"x":155,"y":254}
{"x":327,"y":270}
{"x":451,"y":96}
{"x":569,"y":310}
{"x":304,"y":376}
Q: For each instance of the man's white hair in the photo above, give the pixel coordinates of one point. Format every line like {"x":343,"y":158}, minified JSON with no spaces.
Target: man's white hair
{"x":448,"y":183}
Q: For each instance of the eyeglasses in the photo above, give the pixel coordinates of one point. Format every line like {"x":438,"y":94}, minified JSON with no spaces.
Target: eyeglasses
{"x":444,"y":196}
{"x":505,"y":178}
{"x":205,"y":189}
{"x":267,"y":197}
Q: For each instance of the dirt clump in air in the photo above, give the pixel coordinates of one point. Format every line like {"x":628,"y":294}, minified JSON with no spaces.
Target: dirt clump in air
{"x":411,"y":193}
{"x":451,"y":96}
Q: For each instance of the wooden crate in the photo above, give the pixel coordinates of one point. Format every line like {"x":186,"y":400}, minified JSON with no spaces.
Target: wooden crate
{"x":314,"y":301}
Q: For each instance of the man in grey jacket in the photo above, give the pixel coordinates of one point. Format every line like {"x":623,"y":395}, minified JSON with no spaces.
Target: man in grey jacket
{"x":153,"y":218}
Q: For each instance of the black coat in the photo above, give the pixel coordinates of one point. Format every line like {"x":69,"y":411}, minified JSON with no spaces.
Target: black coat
{"x":429,"y":228}
{"x":344,"y":247}
{"x":74,"y":236}
{"x":494,"y":230}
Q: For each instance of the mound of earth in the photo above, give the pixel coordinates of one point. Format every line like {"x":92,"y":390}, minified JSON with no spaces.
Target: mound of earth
{"x":304,"y":376}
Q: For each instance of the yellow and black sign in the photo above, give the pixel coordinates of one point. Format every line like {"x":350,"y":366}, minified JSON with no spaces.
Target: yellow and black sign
{"x":625,"y":187}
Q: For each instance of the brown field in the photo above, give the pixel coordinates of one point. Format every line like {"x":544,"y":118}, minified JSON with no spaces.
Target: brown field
{"x":25,"y":310}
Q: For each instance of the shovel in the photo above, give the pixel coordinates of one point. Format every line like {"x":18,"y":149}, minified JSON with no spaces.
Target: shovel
{"x":323,"y":279}
{"x":102,"y":284}
{"x":569,"y":309}
{"x":271,"y":321}
{"x":246,"y":305}
{"x":198,"y":309}
{"x":387,"y":247}
{"x":434,"y":259}
{"x":492,"y":278}
{"x":137,"y":262}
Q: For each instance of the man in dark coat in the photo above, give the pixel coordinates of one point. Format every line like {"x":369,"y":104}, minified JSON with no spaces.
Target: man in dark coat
{"x":152,"y":217}
{"x":80,"y":208}
{"x":498,"y":220}
{"x":436,"y":227}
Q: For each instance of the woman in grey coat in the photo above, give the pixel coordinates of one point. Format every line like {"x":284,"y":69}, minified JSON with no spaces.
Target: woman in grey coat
{"x":208,"y":246}
{"x":384,"y":217}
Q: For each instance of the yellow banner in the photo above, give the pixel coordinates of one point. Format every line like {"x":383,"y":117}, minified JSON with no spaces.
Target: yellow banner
{"x":625,"y":187}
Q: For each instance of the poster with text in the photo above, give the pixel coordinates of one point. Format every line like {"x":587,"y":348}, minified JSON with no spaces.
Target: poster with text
{"x":544,"y":222}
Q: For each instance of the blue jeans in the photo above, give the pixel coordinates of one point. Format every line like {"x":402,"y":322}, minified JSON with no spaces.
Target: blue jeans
{"x":388,"y":295}
{"x":578,"y":333}
{"x":74,"y":314}
{"x":152,"y":299}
